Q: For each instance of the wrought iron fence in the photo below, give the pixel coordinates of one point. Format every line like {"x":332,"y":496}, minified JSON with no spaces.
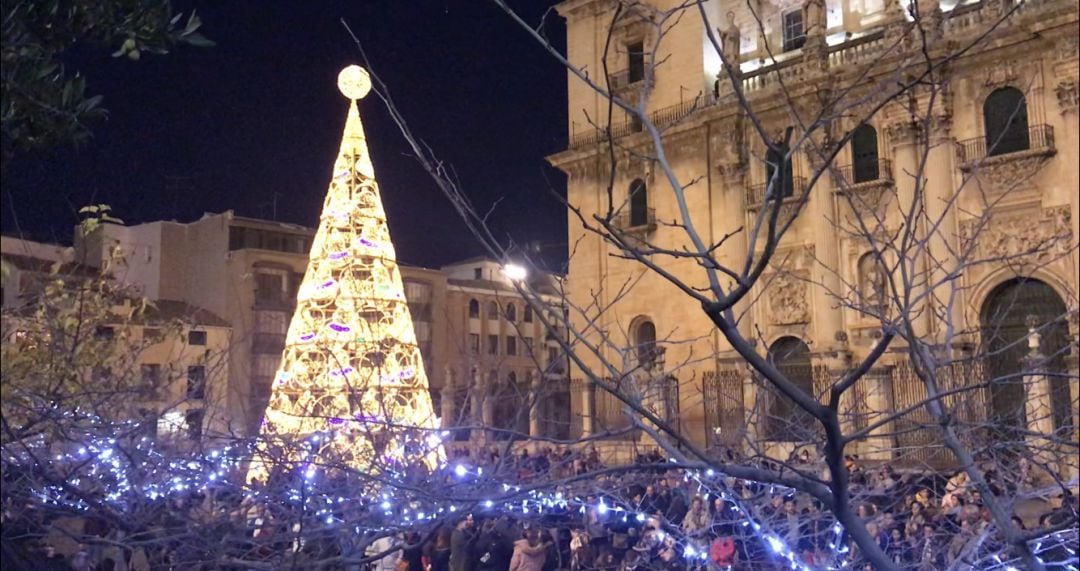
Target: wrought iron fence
{"x":879,"y":171}
{"x":755,"y":194}
{"x":643,"y":221}
{"x":725,"y":414}
{"x":1040,"y":138}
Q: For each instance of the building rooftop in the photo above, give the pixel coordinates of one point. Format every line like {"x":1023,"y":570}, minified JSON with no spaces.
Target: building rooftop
{"x":39,"y":265}
{"x":163,"y":310}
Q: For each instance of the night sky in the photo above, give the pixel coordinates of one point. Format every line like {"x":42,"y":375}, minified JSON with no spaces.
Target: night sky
{"x":259,"y":117}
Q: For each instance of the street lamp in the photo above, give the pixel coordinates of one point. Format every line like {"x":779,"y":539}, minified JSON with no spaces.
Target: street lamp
{"x":514,"y":272}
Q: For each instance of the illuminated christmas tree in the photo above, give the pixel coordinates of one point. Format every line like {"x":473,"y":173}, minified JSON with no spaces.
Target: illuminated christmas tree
{"x":351,"y":388}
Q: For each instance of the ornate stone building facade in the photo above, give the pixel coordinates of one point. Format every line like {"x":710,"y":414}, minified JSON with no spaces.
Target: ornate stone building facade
{"x":1001,"y":175}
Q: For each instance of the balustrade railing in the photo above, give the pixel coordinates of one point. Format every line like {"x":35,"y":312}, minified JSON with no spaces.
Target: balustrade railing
{"x":1039,"y":138}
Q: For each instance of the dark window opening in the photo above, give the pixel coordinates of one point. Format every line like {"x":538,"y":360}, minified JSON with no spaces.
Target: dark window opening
{"x":196,"y":382}
{"x":776,"y":164}
{"x":151,"y":377}
{"x":269,"y":288}
{"x":511,"y":312}
{"x":493,"y":344}
{"x":194,"y":421}
{"x":511,"y":346}
{"x":794,"y":31}
{"x":864,"y":154}
{"x":105,"y":333}
{"x":528,"y":314}
{"x":474,"y":343}
{"x":477,"y":273}
{"x":639,"y":203}
{"x":645,"y":342}
{"x":241,"y":238}
{"x":1006,"y":120}
{"x":635,"y":69}
{"x":474,"y":309}
{"x":196,"y":338}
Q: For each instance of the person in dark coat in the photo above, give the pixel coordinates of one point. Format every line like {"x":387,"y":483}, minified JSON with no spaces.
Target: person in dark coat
{"x":413,"y":553}
{"x":461,"y":541}
{"x":492,"y":550}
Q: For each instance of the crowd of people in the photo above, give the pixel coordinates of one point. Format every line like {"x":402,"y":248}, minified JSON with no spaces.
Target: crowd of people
{"x":655,"y":518}
{"x":606,"y":518}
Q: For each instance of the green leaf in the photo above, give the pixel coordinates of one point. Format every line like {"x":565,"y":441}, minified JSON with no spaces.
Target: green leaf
{"x":199,"y":41}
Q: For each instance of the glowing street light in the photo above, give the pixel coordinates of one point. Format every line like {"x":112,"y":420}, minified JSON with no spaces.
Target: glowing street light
{"x":515,"y":272}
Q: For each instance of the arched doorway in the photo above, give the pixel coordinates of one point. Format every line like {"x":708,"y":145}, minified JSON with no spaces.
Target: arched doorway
{"x":1009,"y":313}
{"x":786,"y":421}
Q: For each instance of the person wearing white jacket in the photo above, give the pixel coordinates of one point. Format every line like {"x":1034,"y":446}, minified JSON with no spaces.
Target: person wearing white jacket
{"x":388,"y":563}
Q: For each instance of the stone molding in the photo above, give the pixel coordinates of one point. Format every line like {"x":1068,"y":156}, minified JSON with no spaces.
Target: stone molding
{"x":1008,"y":173}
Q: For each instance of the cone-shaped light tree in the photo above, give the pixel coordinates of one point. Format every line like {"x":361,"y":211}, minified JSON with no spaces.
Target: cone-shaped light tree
{"x":351,"y":390}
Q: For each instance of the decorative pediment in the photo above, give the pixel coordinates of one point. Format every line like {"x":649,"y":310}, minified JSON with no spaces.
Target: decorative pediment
{"x":787,"y":286}
{"x":1023,"y":237}
{"x":1001,"y":74}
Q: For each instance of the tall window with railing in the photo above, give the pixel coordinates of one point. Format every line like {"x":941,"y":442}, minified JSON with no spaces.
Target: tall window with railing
{"x":635,"y":57}
{"x":778,"y":166}
{"x":639,"y":203}
{"x":864,"y":154}
{"x":1006,"y":119}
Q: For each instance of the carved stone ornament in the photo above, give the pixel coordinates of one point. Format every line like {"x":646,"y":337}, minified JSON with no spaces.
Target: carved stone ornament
{"x":1066,"y":95}
{"x":903,"y":132}
{"x":1002,"y":73}
{"x":787,"y":299}
{"x":1020,"y":237}
{"x":1010,"y":173}
{"x":1068,"y":47}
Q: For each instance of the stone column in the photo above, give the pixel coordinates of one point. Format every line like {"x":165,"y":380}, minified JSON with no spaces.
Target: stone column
{"x":449,"y":397}
{"x":904,"y":139}
{"x":1037,"y":406}
{"x":487,"y":407}
{"x":534,"y":400}
{"x":940,"y":228}
{"x":828,"y":317}
{"x":1072,"y":367}
{"x":477,"y":395}
{"x":587,"y":409}
{"x":1069,"y":140}
{"x":879,"y":404}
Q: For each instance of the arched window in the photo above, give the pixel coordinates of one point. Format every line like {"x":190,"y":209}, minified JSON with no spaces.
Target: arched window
{"x":645,"y":344}
{"x":511,"y":313}
{"x":787,"y":422}
{"x":639,"y":203}
{"x":474,"y":309}
{"x":776,"y":160}
{"x":1007,"y":318}
{"x":528,"y":314}
{"x":864,"y":154}
{"x":1006,"y":120}
{"x":492,"y":310}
